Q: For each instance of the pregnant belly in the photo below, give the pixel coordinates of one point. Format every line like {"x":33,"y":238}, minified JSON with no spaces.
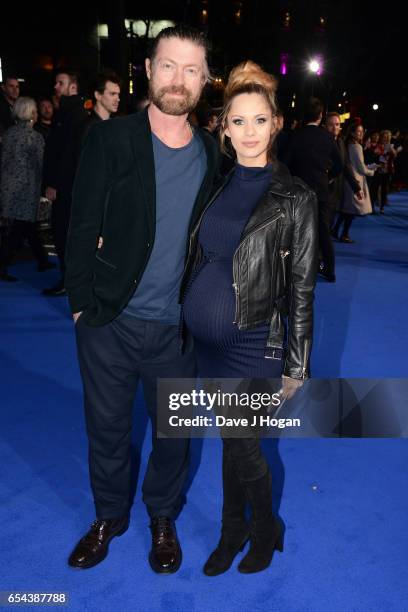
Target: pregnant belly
{"x":209,"y":306}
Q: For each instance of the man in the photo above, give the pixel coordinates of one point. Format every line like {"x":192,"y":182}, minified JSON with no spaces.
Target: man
{"x":107,"y":98}
{"x":141,"y":184}
{"x":45,"y":115}
{"x":10,"y":91}
{"x":60,"y":162}
{"x":333,"y":126}
{"x":311,"y":153}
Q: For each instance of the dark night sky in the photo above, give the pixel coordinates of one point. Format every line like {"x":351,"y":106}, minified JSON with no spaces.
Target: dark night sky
{"x":364,"y":48}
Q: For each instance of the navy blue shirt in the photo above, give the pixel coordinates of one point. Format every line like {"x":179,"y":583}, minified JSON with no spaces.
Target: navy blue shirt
{"x":179,"y":174}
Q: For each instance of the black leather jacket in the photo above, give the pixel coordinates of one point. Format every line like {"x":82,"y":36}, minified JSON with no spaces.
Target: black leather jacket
{"x":275,"y":267}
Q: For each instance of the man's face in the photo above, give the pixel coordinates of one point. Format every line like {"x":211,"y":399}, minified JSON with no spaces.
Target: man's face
{"x":176,"y":76}
{"x":46,"y":110}
{"x":110,"y":98}
{"x":63,"y":85}
{"x":333,"y":126}
{"x":11,"y":89}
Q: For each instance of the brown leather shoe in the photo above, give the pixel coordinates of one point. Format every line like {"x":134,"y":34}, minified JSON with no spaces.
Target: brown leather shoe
{"x":165,"y":555}
{"x":93,"y":547}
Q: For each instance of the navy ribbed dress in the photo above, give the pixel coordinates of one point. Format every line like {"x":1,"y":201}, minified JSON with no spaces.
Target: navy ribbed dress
{"x":223,"y":350}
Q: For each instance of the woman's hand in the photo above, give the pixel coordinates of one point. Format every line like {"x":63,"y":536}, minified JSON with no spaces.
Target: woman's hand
{"x":290,"y":386}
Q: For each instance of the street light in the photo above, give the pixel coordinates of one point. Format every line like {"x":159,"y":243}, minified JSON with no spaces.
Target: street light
{"x":314,"y":66}
{"x":375,"y":106}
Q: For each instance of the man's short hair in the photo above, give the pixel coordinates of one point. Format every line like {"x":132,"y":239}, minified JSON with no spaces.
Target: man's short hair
{"x":332,"y":114}
{"x":71,"y":74}
{"x":9,"y":77}
{"x":183,"y":32}
{"x":103,"y":77}
{"x":312,"y":110}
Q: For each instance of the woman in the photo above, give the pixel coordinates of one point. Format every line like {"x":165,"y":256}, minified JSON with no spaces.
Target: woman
{"x":387,"y":155}
{"x":353,"y":206}
{"x":21,"y":174}
{"x":234,"y":304}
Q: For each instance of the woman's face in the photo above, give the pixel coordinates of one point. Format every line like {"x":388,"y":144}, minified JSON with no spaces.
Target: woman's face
{"x":249,"y":125}
{"x":359,"y":133}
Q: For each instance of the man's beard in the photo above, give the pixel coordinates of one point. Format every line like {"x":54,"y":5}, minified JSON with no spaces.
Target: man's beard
{"x":172,"y":105}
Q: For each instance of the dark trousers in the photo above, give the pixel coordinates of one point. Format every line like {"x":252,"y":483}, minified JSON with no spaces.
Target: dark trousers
{"x":20,"y":231}
{"x":346,"y":219}
{"x":325,"y":240}
{"x":113,"y":359}
{"x":60,"y":216}
{"x":379,"y":187}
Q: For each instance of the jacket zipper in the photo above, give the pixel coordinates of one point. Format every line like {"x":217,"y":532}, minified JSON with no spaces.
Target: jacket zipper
{"x":107,"y":263}
{"x":284,"y":253}
{"x":278,"y":215}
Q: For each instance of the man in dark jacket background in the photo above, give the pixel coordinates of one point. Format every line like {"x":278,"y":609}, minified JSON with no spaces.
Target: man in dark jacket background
{"x":311,"y":154}
{"x":60,"y":162}
{"x":106,"y":91}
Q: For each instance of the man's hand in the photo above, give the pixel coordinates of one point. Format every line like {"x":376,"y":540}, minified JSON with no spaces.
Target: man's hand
{"x":360,"y":194}
{"x":51,"y":194}
{"x":290,"y":386}
{"x":76,"y":316}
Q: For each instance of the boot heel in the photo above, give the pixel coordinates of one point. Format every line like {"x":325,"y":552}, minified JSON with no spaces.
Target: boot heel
{"x":279,"y":544}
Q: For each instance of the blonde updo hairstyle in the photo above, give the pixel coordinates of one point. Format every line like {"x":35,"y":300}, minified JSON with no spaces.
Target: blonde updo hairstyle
{"x":247,"y":78}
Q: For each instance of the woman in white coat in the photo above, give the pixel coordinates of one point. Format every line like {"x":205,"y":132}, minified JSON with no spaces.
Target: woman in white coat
{"x":352,"y":205}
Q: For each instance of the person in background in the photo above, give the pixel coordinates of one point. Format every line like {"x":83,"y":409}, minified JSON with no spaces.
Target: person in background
{"x":45,"y":116}
{"x":60,"y":161}
{"x":107,"y":95}
{"x":312,"y":153}
{"x":10,"y":91}
{"x":352,"y":205}
{"x":21,"y":166}
{"x":387,"y":155}
{"x":371,"y":156}
{"x":336,"y":185}
{"x":207,"y":118}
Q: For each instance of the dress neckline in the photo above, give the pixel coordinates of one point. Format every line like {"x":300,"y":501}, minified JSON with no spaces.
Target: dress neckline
{"x":252,"y":173}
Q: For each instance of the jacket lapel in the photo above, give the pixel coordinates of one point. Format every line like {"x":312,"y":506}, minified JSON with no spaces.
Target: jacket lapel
{"x":142,"y":147}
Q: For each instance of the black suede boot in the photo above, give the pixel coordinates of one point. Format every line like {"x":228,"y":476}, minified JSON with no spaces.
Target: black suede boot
{"x":266,"y":531}
{"x":235,"y":529}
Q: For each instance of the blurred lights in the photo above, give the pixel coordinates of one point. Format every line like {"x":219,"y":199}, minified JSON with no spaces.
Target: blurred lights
{"x":284,"y":62}
{"x":375,"y":107}
{"x":315,"y":66}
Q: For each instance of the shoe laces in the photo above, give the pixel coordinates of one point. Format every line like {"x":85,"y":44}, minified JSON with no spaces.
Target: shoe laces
{"x":161,"y":530}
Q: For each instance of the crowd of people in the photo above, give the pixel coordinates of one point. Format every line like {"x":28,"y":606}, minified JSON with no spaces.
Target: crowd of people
{"x":40,"y":145}
{"x":41,"y":141}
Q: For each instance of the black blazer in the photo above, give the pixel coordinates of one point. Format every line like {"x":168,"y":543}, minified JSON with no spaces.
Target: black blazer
{"x":114,"y":196}
{"x":63,"y":145}
{"x":311,"y":154}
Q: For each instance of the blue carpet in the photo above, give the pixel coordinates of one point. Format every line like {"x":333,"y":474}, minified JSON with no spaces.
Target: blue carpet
{"x":344,"y":502}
